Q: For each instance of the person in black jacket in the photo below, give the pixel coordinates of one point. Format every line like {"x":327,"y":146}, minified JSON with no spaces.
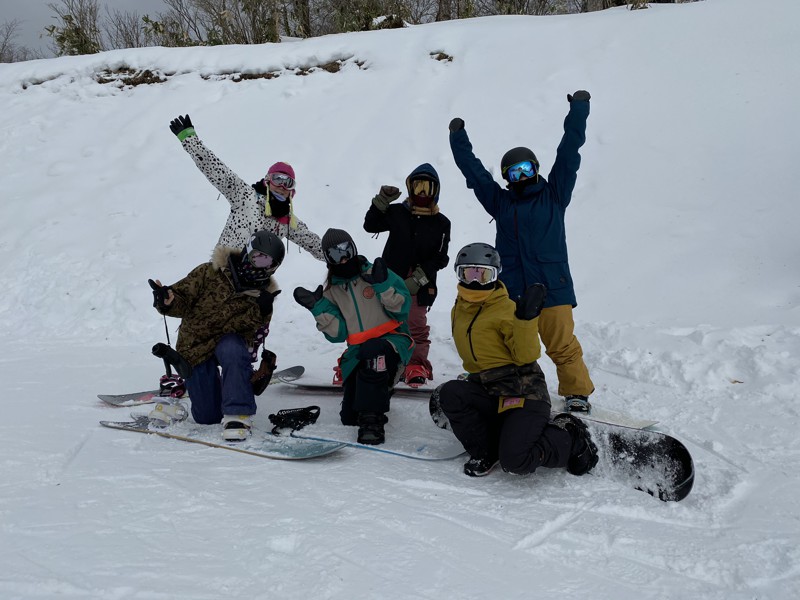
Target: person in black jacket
{"x":419,"y":236}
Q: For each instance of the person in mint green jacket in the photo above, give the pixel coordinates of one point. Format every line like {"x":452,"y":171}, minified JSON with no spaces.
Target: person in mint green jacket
{"x":366,"y":305}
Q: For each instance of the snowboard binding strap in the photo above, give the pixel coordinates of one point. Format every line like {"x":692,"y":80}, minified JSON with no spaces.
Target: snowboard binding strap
{"x":294,"y":418}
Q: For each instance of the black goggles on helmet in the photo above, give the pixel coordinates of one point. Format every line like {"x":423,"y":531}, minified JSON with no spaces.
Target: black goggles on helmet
{"x":343,"y":251}
{"x":259,"y":259}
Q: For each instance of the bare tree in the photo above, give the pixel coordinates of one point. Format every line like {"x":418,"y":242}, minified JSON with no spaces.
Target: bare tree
{"x":8,"y":48}
{"x":125,"y":29}
{"x":78,"y":30}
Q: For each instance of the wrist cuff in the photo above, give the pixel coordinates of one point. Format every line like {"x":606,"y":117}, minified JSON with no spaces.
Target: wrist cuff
{"x":188,"y":132}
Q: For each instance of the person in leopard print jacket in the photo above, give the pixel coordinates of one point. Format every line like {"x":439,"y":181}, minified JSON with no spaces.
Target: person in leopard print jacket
{"x":266,"y":205}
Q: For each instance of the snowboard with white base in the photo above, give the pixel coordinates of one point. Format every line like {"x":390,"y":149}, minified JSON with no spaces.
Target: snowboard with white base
{"x":260,"y":443}
{"x":151,"y":396}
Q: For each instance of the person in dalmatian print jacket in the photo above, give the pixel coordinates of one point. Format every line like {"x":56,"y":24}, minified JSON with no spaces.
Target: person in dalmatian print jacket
{"x":265,"y":205}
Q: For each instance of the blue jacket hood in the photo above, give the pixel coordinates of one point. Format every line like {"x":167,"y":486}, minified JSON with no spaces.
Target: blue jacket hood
{"x":427,"y":170}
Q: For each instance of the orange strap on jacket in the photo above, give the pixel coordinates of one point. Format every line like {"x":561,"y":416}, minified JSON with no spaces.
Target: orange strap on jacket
{"x":369,"y":334}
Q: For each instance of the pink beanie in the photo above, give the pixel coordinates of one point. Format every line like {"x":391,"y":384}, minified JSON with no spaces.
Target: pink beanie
{"x":282,"y":167}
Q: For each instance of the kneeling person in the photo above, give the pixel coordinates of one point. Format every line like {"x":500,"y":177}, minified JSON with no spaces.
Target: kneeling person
{"x":501,"y":411}
{"x":365,"y":305}
{"x":222,"y":305}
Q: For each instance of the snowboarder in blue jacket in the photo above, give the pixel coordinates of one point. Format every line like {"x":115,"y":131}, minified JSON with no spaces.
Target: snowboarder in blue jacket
{"x":531,"y":238}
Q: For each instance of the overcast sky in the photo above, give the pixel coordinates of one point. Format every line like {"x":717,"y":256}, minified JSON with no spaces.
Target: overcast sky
{"x":34,"y":16}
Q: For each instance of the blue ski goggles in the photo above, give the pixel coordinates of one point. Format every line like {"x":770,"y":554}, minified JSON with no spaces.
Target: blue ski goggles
{"x":522,"y":169}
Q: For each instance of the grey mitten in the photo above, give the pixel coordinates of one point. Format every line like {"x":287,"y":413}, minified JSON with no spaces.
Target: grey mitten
{"x":385,"y":197}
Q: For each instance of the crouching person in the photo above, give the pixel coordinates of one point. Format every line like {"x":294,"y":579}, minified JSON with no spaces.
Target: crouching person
{"x":367,"y":306}
{"x":222,"y":305}
{"x":501,"y":411}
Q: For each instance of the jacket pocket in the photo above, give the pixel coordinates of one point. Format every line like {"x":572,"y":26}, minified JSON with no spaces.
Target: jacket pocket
{"x":555,"y":271}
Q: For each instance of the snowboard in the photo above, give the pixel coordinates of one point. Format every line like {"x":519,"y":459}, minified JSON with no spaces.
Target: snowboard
{"x":260,"y":443}
{"x":150,"y":396}
{"x":598,"y":414}
{"x":649,"y":461}
{"x":428,"y":446}
{"x":328,"y":388}
{"x":409,"y":432}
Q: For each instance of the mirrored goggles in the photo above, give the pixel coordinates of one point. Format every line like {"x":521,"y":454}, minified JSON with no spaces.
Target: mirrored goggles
{"x":525,"y":168}
{"x":422,"y":187}
{"x":481,"y":274}
{"x":281,"y":180}
{"x":260,"y":260}
{"x":342,"y":251}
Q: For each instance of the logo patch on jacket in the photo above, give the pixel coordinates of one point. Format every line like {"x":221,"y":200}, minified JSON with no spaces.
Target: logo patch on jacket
{"x":368,"y":293}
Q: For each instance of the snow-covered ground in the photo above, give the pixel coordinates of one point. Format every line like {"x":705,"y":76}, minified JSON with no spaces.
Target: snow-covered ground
{"x":683,"y":245}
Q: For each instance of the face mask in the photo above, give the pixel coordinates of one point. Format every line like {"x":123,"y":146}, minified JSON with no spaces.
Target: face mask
{"x":348,"y":269}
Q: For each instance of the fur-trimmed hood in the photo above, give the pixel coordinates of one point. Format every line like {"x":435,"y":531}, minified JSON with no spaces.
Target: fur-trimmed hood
{"x":220,"y":261}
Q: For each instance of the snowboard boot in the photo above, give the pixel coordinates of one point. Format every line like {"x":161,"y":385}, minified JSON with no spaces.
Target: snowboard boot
{"x":165,"y":414}
{"x":370,"y":428}
{"x":236,"y":428}
{"x":583,"y":456}
{"x":577,"y":403}
{"x":416,"y":375}
{"x":479,"y":467}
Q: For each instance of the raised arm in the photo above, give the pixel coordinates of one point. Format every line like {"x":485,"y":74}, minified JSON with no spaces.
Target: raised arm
{"x":228,"y":183}
{"x":478,"y":179}
{"x":564,"y":173}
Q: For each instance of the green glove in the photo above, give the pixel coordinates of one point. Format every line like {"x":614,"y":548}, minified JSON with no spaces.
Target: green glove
{"x":385,"y":197}
{"x":417,"y":280}
{"x":412,"y":285}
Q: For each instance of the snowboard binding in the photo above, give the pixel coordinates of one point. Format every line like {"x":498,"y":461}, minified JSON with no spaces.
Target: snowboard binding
{"x":294,"y":418}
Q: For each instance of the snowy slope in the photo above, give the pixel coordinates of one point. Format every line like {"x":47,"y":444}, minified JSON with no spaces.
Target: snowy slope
{"x":682,"y":244}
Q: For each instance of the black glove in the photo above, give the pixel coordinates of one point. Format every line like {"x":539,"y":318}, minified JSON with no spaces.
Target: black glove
{"x":265,"y":300}
{"x":307,"y":298}
{"x":379,"y":272}
{"x":160,"y":294}
{"x":181,"y":124}
{"x":385,"y":197}
{"x":456,"y":124}
{"x":529,"y":305}
{"x":260,"y":378}
{"x":579,"y":95}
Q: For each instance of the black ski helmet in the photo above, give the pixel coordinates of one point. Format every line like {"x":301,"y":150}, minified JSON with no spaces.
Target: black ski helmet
{"x":478,"y":253}
{"x":267,"y":243}
{"x":517,"y":155}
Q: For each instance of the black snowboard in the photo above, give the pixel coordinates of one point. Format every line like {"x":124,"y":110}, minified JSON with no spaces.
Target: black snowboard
{"x":646,"y":460}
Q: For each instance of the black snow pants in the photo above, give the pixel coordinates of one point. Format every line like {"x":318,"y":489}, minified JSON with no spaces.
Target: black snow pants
{"x":523,"y":438}
{"x":369,"y":386}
